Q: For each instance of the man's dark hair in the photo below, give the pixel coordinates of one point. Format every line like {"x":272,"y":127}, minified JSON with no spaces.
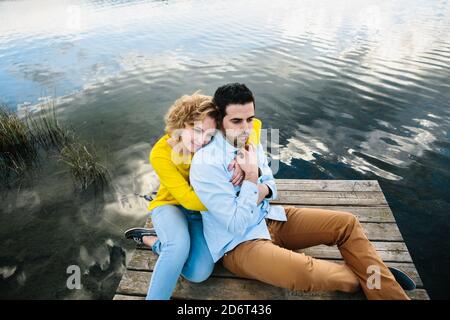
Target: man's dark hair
{"x":231,"y":93}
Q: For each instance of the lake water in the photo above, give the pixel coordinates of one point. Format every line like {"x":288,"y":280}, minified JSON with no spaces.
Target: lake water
{"x":358,"y":90}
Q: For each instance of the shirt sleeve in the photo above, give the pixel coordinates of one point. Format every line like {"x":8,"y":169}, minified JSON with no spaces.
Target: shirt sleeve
{"x":174,"y":182}
{"x":235,"y":212}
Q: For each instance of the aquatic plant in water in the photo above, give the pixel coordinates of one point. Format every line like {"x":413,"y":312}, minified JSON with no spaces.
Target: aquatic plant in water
{"x":84,"y":166}
{"x":21,"y":139}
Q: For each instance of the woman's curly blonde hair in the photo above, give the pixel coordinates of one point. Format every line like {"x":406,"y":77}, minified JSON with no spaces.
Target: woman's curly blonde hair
{"x":187,"y":110}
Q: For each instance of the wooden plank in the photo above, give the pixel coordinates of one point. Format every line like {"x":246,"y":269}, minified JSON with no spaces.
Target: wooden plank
{"x":382,"y":231}
{"x":144,"y":260}
{"x":335,"y":198}
{"x":136,"y":283}
{"x":360,"y":195}
{"x":418,"y":294}
{"x":127,"y":297}
{"x":407,"y":267}
{"x":364,"y":214}
{"x":388,"y":251}
{"x":374,"y":231}
{"x":327,"y":185}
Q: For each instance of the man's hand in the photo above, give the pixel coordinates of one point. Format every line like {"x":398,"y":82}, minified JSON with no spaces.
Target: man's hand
{"x":263,"y":191}
{"x":238,"y":173}
{"x":248,"y":162}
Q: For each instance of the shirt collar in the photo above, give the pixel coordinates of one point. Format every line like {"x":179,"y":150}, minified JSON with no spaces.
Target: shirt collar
{"x":223,"y":143}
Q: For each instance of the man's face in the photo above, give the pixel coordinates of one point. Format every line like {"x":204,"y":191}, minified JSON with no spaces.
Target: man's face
{"x":238,"y":123}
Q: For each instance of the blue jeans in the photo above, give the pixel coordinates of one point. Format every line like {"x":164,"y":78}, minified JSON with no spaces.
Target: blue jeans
{"x":182,"y":249}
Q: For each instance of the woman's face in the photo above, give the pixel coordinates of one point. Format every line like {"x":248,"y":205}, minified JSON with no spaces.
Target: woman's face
{"x":200,"y":134}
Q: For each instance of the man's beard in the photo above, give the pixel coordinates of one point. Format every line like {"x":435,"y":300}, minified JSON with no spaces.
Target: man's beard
{"x":240,"y":140}
{"x":236,"y":141}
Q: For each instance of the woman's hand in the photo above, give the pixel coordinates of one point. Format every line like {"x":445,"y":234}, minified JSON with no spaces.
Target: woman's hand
{"x":248,"y":161}
{"x":238,"y":174}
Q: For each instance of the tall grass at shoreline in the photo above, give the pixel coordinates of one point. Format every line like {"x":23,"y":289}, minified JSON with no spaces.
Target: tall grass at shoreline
{"x":46,"y":131}
{"x":84,"y":166}
{"x":17,"y":150}
{"x":22,"y":139}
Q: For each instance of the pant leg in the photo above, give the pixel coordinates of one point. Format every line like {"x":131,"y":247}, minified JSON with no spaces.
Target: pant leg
{"x":200,"y":264}
{"x":307,"y":227}
{"x":267,"y":262}
{"x":156,"y":247}
{"x":172,"y":228}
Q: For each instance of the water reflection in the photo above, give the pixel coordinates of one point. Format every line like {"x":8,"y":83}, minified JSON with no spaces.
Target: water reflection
{"x":358,"y":90}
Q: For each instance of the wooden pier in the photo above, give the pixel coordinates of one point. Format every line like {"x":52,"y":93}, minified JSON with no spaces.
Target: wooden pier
{"x":363,"y":198}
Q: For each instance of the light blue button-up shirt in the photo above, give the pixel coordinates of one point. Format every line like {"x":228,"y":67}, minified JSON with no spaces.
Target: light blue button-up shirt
{"x":233,"y":215}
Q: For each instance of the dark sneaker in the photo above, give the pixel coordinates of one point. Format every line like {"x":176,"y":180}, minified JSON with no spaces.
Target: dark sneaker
{"x":137,"y":233}
{"x":403,"y":279}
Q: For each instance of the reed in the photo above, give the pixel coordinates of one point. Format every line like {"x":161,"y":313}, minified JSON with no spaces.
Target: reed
{"x":84,"y":166}
{"x":21,"y":140}
{"x":45,"y":129}
{"x":17,"y":150}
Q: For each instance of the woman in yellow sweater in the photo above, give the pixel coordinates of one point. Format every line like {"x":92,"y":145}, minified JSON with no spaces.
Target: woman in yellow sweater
{"x":180,"y":244}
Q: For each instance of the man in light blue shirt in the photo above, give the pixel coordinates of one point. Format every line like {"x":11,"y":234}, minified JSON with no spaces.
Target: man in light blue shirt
{"x":257,"y":240}
{"x":241,"y":212}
